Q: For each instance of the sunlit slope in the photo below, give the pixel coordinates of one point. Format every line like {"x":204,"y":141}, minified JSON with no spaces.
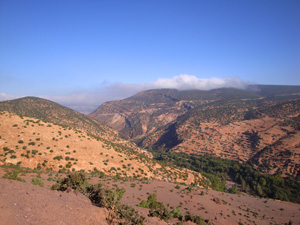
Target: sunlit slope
{"x":36,"y":144}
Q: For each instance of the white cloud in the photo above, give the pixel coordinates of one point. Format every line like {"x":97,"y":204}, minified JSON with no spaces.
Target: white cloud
{"x":5,"y":97}
{"x":187,"y":82}
{"x":87,"y":100}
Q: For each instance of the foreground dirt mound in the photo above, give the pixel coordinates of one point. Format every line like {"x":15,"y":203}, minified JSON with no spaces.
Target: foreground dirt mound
{"x":23,"y":203}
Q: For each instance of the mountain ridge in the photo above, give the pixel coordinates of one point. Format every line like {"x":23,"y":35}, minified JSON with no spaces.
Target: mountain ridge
{"x":223,"y":122}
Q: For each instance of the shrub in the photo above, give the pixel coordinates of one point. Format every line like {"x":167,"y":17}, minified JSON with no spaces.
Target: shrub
{"x":37,"y":181}
{"x":195,"y":219}
{"x":151,"y":202}
{"x":34,"y":152}
{"x":161,"y":213}
{"x":176,"y":213}
{"x":102,"y":175}
{"x":103,"y":196}
{"x":76,"y":180}
{"x":177,"y":186}
{"x":58,"y":157}
{"x":130,"y":215}
{"x":13,"y":174}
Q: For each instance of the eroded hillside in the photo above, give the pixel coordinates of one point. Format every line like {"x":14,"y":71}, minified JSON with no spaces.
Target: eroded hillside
{"x":270,"y":138}
{"x":260,"y":126}
{"x":147,"y":111}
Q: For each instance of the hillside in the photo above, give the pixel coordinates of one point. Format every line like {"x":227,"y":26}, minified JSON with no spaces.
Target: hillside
{"x":259,"y":125}
{"x":48,"y":111}
{"x":32,"y":143}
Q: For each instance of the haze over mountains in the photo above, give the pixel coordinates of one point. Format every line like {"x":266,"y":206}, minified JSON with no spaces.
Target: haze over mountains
{"x":86,"y":100}
{"x":260,"y":124}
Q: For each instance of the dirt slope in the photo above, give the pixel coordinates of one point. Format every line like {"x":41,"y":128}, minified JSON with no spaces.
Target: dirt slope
{"x":23,"y":203}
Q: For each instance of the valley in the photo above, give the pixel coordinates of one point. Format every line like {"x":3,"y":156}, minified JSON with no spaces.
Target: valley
{"x":199,"y":157}
{"x":261,"y":127}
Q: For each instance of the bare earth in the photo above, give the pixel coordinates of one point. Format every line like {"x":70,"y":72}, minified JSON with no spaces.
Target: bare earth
{"x":232,"y":208}
{"x":24,"y":203}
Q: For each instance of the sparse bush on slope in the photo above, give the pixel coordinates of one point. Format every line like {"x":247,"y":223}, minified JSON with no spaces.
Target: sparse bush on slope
{"x":101,"y":196}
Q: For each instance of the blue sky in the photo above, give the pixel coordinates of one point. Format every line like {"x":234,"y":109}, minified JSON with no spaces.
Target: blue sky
{"x":87,"y":52}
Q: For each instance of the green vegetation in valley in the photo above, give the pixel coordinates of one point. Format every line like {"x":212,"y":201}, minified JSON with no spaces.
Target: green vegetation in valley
{"x":251,"y":180}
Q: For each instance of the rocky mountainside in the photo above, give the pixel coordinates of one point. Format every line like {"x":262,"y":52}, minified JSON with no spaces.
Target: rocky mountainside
{"x":146,"y":111}
{"x":260,"y":125}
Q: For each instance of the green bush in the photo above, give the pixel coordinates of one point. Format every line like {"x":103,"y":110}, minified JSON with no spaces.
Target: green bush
{"x":34,"y":152}
{"x":76,"y":180}
{"x":103,"y":196}
{"x":130,"y":215}
{"x":13,"y":174}
{"x":177,"y":186}
{"x":195,"y":219}
{"x":37,"y":181}
{"x":151,"y":202}
{"x":176,"y":213}
{"x":57,"y":157}
{"x":161,"y":213}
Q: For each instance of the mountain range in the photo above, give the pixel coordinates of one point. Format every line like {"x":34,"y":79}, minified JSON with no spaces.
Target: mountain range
{"x":259,"y":125}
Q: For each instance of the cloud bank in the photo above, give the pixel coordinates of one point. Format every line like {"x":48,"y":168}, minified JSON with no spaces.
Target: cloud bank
{"x":86,"y":101}
{"x":188,"y":82}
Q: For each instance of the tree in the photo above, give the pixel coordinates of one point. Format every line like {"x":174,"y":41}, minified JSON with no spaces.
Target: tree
{"x":259,"y":190}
